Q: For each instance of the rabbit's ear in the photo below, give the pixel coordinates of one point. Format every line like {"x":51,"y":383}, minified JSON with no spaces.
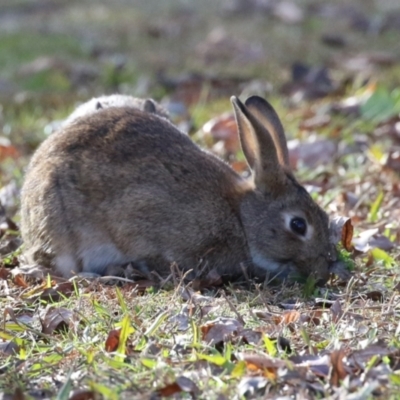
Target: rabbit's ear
{"x":259,"y":150}
{"x":268,"y":117}
{"x":150,"y":106}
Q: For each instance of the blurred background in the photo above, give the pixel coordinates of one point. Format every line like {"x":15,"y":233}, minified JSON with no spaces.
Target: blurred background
{"x":331,"y":68}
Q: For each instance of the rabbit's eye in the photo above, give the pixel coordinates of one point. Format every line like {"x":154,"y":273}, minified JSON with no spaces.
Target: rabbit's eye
{"x":298,"y":225}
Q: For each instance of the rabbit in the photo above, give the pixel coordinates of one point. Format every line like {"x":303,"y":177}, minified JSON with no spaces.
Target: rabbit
{"x":123,"y":186}
{"x":116,"y":100}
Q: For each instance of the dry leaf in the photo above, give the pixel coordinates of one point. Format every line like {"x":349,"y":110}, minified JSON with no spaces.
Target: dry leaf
{"x":112,"y":341}
{"x":85,"y":394}
{"x":8,"y":151}
{"x":336,"y":311}
{"x":9,"y":348}
{"x":182,"y":384}
{"x":262,"y":362}
{"x":224,"y":128}
{"x":56,"y":319}
{"x":347,"y":235}
{"x":57,"y":292}
{"x":4,"y":273}
{"x":220,"y":330}
{"x":341,"y":230}
{"x":288,"y":317}
{"x":338,"y":370}
{"x":19,"y":280}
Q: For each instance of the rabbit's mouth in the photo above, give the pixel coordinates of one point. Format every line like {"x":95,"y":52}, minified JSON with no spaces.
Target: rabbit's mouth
{"x":280,"y":269}
{"x":285,"y":269}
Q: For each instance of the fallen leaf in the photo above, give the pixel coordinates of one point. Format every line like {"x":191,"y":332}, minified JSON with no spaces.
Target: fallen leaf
{"x":7,"y":150}
{"x":18,"y":394}
{"x":20,"y":281}
{"x":223,"y":128}
{"x":4,"y":273}
{"x":286,"y":318}
{"x":338,"y":370}
{"x":340,"y":230}
{"x":360,"y":358}
{"x":311,"y":153}
{"x":112,"y":340}
{"x":211,"y":280}
{"x":37,"y":272}
{"x":182,"y":384}
{"x":308,"y":83}
{"x":252,"y":387}
{"x":374,"y":295}
{"x":220,"y":330}
{"x":181,"y":321}
{"x":262,"y":362}
{"x":288,"y":12}
{"x":58,"y":292}
{"x":370,"y":239}
{"x":222,"y":46}
{"x":9,"y":348}
{"x":319,"y":364}
{"x":85,"y":394}
{"x":336,"y":311}
{"x":347,"y":235}
{"x":56,"y":320}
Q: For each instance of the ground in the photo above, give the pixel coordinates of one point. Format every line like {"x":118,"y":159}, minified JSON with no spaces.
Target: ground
{"x":332,"y":71}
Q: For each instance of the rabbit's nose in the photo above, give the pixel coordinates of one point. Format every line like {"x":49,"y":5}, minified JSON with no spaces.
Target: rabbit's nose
{"x":331,"y":255}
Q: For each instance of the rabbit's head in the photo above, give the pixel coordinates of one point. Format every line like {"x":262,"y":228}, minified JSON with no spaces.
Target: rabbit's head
{"x":287,"y":232}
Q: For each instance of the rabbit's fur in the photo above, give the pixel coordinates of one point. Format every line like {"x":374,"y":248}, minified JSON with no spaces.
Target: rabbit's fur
{"x":116,"y":100}
{"x":123,"y":186}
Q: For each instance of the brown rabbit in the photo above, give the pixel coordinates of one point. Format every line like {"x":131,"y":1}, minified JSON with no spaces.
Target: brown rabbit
{"x":123,"y":186}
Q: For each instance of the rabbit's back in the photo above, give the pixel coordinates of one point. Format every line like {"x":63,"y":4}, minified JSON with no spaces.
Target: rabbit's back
{"x":123,"y":186}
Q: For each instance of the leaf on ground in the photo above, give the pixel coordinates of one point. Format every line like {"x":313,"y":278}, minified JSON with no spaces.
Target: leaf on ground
{"x":56,"y":320}
{"x":336,"y":311}
{"x":312,"y":153}
{"x":211,"y":280}
{"x":58,"y":292}
{"x":220,"y":45}
{"x":8,"y":151}
{"x":182,"y":384}
{"x":341,"y":230}
{"x":338,"y":369}
{"x":9,"y":348}
{"x":370,"y":239}
{"x":252,"y":387}
{"x":189,"y":294}
{"x":84,"y":394}
{"x":268,"y":366}
{"x":4,"y":273}
{"x":374,"y":295}
{"x":360,"y":358}
{"x":112,"y":340}
{"x":19,"y":280}
{"x":288,"y":317}
{"x":308,"y":82}
{"x":180,"y":320}
{"x":318,"y":364}
{"x":220,"y":330}
{"x":36,"y":271}
{"x":18,"y":394}
{"x":250,"y":336}
{"x":288,"y":12}
{"x":223,"y":128}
